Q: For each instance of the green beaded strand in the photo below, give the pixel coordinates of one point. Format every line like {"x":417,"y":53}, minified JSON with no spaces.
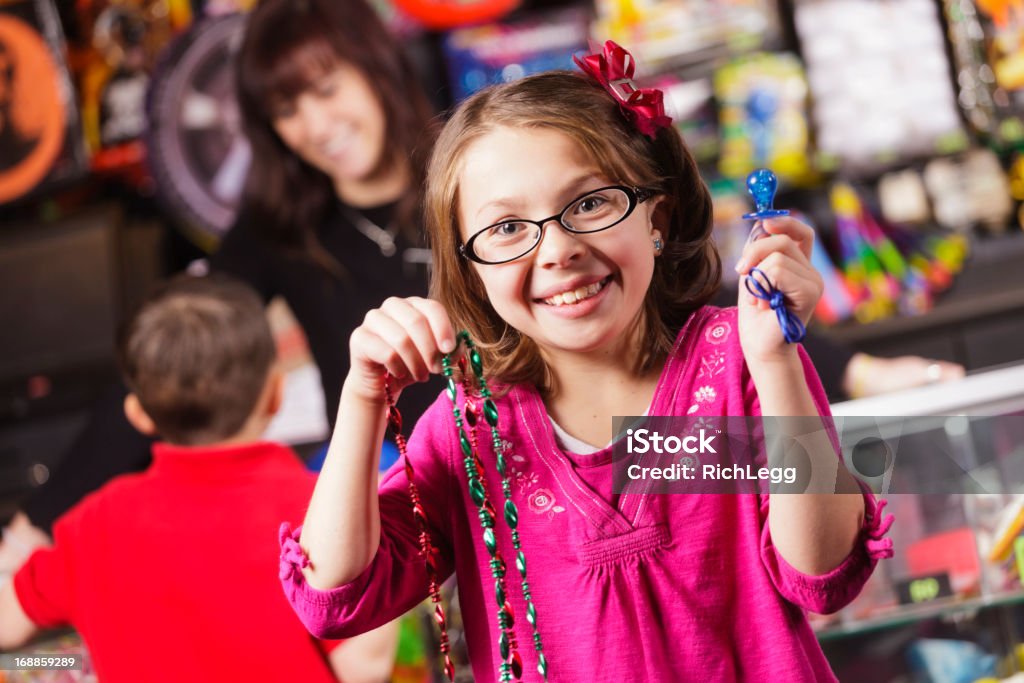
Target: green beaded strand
{"x":478,"y":493}
{"x":510,"y":510}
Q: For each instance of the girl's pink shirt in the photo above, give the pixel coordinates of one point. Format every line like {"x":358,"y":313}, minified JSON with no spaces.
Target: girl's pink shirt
{"x":650,"y":587}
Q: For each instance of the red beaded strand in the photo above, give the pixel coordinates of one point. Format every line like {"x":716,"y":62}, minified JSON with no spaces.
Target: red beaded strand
{"x":427,"y":547}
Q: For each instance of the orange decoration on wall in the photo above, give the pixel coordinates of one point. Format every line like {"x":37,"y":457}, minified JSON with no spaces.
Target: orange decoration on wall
{"x":31,"y":109}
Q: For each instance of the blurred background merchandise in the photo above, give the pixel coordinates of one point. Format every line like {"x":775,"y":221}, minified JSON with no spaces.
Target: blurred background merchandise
{"x":896,"y":128}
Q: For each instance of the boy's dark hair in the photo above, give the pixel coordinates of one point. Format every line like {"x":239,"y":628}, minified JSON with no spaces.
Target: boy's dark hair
{"x":197,"y":354}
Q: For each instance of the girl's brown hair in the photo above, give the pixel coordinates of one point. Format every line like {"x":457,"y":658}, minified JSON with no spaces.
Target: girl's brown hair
{"x":688,"y":270}
{"x":288,"y":45}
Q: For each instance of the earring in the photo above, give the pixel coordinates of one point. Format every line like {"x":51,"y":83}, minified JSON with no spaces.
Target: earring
{"x":658,"y":244}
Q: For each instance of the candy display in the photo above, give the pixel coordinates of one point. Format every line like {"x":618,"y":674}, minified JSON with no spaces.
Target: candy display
{"x":889,"y":271}
{"x":903,"y":198}
{"x":835,"y":304}
{"x":1003,"y":21}
{"x":950,"y":661}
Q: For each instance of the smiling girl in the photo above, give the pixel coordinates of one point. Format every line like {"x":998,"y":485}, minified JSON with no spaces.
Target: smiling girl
{"x":571,"y":237}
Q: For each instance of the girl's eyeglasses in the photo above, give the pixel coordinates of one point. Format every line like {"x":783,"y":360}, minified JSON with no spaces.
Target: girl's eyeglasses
{"x":595,"y":211}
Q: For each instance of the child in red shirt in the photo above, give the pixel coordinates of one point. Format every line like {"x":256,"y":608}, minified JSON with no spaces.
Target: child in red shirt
{"x":169,"y":574}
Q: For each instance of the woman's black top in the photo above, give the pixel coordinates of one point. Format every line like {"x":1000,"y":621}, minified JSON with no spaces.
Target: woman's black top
{"x":329,"y":306}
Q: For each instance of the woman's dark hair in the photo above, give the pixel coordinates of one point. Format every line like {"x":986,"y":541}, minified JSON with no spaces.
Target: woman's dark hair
{"x":288,"y":45}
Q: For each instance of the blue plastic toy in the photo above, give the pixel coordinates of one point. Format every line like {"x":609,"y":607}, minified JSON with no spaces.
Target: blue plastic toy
{"x":762,"y":184}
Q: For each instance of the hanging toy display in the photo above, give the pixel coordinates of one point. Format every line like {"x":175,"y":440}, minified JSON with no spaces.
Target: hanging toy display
{"x":875,"y":292}
{"x":937,"y":258}
{"x":124,"y":39}
{"x":889,"y":270}
{"x":1003,"y":27}
{"x":987,"y":115}
{"x":478,"y":408}
{"x":762,"y":184}
{"x":835,"y":304}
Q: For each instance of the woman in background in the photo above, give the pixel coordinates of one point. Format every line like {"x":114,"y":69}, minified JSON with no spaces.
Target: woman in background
{"x":340,"y":131}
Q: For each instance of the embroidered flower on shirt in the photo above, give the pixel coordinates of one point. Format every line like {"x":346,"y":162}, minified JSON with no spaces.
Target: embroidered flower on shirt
{"x":690,"y":461}
{"x":705,"y":394}
{"x":525,"y":480}
{"x":712,"y":364}
{"x":506,"y":448}
{"x":541,"y":500}
{"x":717,"y":333}
{"x":708,"y":424}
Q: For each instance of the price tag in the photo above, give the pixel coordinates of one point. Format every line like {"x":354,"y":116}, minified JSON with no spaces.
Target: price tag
{"x":922,"y":589}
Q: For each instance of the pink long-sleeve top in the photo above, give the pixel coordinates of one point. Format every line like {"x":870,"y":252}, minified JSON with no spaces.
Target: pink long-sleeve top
{"x":668,"y":587}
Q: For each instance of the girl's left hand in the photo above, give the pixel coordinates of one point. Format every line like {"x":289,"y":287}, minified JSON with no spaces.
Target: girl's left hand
{"x":784,"y":255}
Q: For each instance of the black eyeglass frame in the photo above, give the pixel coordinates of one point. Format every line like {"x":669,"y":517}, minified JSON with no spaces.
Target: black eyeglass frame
{"x":635,"y":195}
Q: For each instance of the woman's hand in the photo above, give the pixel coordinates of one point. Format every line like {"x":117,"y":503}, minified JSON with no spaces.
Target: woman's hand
{"x":405,"y":338}
{"x":784,"y":255}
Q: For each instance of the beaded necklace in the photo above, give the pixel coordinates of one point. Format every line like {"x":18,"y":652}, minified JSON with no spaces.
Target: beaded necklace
{"x":511,"y":661}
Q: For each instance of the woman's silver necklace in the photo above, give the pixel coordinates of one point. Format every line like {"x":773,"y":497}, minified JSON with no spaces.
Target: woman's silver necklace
{"x":384,"y":238}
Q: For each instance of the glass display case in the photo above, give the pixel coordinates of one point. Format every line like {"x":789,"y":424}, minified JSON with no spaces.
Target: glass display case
{"x":951,"y":598}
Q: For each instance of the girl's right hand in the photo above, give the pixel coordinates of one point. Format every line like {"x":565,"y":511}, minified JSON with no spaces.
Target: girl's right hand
{"x":405,"y":338}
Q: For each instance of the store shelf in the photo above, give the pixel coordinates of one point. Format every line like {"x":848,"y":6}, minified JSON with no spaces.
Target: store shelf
{"x":909,"y":615}
{"x":989,"y":291}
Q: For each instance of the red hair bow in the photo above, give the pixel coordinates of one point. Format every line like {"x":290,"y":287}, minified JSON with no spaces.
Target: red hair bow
{"x":613,"y":69}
